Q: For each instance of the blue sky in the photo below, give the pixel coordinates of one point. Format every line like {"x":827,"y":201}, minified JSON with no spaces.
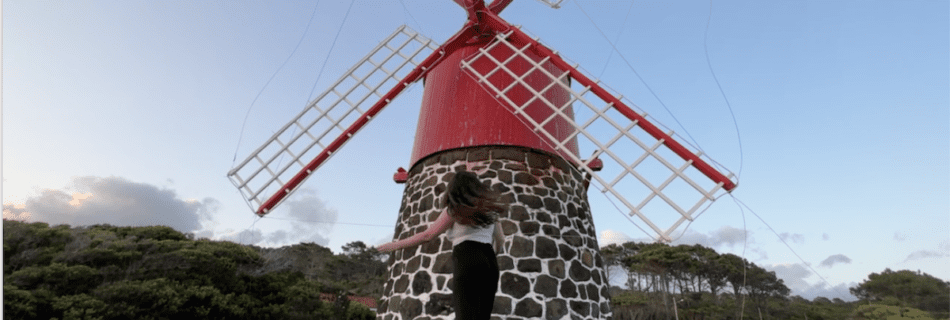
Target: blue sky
{"x":130,"y":113}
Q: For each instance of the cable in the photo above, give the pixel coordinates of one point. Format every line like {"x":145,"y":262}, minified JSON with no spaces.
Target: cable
{"x":622,"y":25}
{"x":320,"y":73}
{"x":241,"y":135}
{"x":709,"y":64}
{"x":406,"y":9}
{"x":787,"y":245}
{"x":745,"y":243}
{"x":639,"y":77}
{"x":333,"y":44}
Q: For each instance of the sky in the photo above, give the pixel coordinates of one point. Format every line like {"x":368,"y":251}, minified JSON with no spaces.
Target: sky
{"x":132,"y":113}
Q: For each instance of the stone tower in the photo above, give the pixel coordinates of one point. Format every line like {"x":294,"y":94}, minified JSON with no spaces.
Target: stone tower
{"x":551,"y":267}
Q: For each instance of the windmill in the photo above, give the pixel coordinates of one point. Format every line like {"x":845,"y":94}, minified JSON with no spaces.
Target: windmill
{"x":498,"y":102}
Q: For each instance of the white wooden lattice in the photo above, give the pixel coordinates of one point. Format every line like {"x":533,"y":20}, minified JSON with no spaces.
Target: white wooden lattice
{"x":267,"y":170}
{"x":640,"y":172}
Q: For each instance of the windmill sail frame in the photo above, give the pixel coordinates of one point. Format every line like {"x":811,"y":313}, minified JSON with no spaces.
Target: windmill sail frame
{"x":330,"y":120}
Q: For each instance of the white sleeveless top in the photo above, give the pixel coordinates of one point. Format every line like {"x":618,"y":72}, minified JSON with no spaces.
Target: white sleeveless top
{"x":461,"y":232}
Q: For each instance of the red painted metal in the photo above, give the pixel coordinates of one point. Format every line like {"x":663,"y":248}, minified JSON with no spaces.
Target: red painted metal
{"x":401,"y":175}
{"x":456,"y":112}
{"x":520,"y":39}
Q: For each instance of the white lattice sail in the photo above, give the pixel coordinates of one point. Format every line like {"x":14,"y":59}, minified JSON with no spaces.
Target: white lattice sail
{"x":646,"y":173}
{"x":280,"y":165}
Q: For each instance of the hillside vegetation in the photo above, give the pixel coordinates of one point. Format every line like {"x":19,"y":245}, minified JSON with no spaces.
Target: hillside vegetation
{"x":108,"y":272}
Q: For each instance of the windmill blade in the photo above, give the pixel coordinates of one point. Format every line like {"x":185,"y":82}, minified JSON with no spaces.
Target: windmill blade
{"x":273,"y":171}
{"x":652,"y":176}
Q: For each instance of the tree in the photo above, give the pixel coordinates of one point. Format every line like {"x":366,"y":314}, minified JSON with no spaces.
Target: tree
{"x":908,"y":288}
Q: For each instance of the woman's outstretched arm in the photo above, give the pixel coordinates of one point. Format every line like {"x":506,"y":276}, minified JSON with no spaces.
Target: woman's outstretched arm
{"x":498,"y":238}
{"x":444,"y":222}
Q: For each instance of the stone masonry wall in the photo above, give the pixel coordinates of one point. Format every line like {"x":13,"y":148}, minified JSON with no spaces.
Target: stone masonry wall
{"x":551,"y":267}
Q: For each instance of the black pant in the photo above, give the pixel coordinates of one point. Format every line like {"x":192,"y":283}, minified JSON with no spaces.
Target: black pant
{"x":476,"y":280}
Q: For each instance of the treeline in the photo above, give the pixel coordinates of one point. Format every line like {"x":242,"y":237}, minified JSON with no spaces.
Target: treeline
{"x":108,"y":272}
{"x":696,"y":282}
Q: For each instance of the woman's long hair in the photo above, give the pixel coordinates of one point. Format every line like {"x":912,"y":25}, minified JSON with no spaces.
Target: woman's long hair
{"x":471,"y":202}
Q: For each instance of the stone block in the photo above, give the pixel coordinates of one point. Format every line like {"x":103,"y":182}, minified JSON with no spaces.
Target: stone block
{"x":502,"y":305}
{"x":478,"y":154}
{"x":546,"y":248}
{"x":538,"y":160}
{"x":519,"y":213}
{"x":552,"y":205}
{"x":514,"y":285}
{"x":546,"y":286}
{"x":443,"y":263}
{"x":593,"y":292}
{"x":439,"y":304}
{"x":504,"y":176}
{"x":556,"y":268}
{"x":530,"y":227}
{"x":543,"y":216}
{"x":578,"y":272}
{"x":410,"y":308}
{"x":508,"y":227}
{"x":421,"y":283}
{"x":567,"y":252}
{"x":508,"y":154}
{"x":568,"y":289}
{"x":401,"y":284}
{"x":529,"y":265}
{"x":521,"y":247}
{"x":413,"y":265}
{"x":526,"y":179}
{"x":555,"y":309}
{"x":528,"y":308}
{"x":581,"y":307}
{"x":505,"y":263}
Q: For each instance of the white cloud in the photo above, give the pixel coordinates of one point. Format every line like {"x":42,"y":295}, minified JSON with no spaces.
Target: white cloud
{"x":308,"y":220}
{"x":116,"y":201}
{"x":833,"y":259}
{"x":924,"y":254}
{"x":724,"y":236}
{"x":794,"y":237}
{"x":822,"y":290}
{"x":795,"y":275}
{"x":609,"y":237}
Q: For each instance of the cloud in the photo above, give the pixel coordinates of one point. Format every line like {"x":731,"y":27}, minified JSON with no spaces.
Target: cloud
{"x":308,"y":220}
{"x":823,"y":290}
{"x":899,"y":236}
{"x":794,"y":237}
{"x":831,"y":260}
{"x":248,"y":236}
{"x":609,"y":237}
{"x":113,"y":200}
{"x":724,"y":236}
{"x":794,"y":276}
{"x":924,"y":254}
{"x":315,"y":220}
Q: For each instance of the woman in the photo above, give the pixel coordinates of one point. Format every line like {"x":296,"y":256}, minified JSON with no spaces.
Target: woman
{"x":471,"y":219}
